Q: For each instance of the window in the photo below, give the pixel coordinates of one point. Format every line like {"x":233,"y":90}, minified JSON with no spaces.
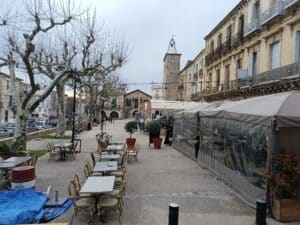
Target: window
{"x":212,"y":46}
{"x":209,"y":80}
{"x":218,"y":78}
{"x":275,"y":55}
{"x":227,"y":76}
{"x":7,"y":84}
{"x":241,"y":27}
{"x":239,"y":64}
{"x":297,"y":47}
{"x":229,"y":29}
{"x":219,"y":40}
{"x":190,"y":77}
{"x":252,"y":70}
{"x":256,"y":10}
{"x":10,"y":101}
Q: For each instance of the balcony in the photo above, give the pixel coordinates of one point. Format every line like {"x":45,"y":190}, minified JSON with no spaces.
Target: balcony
{"x":180,"y":87}
{"x":195,"y":76}
{"x":290,"y":3}
{"x":237,"y":39}
{"x":200,"y":73}
{"x":285,"y":72}
{"x":271,"y":13}
{"x":254,"y":25}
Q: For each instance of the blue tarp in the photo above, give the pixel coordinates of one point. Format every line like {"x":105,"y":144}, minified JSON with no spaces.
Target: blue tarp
{"x":21,"y":206}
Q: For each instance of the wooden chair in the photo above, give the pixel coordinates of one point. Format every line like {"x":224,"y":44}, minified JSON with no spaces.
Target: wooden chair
{"x":53,"y":153}
{"x":88,"y":171}
{"x":93,"y":159}
{"x":109,"y":203}
{"x":72,"y":151}
{"x":87,"y":204}
{"x":32,"y":161}
{"x":132,"y":152}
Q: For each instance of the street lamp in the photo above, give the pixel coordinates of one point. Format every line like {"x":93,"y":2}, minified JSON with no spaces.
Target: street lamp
{"x":73,"y":79}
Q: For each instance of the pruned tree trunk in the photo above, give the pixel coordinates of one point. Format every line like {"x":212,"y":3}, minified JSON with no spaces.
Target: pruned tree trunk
{"x":61,"y":108}
{"x":20,"y":138}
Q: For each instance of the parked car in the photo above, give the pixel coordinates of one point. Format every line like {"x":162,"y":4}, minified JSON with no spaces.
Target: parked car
{"x":42,"y":124}
{"x":4,"y":133}
{"x":31,"y":128}
{"x":52,"y":123}
{"x":11,"y":127}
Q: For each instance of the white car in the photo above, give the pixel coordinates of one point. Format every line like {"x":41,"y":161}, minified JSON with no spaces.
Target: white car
{"x":41,"y":124}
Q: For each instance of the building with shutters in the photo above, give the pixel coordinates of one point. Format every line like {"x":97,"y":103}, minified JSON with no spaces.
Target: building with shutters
{"x":254,"y":50}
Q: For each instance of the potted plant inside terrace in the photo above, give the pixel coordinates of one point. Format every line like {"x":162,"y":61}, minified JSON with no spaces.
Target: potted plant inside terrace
{"x":154,"y":128}
{"x":9,"y":150}
{"x":285,"y":187}
{"x":130,"y":127}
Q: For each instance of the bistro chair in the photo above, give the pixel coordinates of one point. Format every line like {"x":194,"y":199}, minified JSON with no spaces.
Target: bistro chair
{"x":87,"y":204}
{"x":53,"y":152}
{"x":32,"y":161}
{"x":132,"y":152}
{"x":107,"y":203}
{"x":93,"y":159}
{"x":71,"y":153}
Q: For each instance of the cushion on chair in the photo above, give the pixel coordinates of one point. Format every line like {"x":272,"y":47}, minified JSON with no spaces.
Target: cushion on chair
{"x":85,"y":202}
{"x":108,"y":202}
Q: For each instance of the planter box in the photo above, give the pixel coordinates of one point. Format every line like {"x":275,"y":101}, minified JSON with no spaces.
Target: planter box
{"x":286,"y":210}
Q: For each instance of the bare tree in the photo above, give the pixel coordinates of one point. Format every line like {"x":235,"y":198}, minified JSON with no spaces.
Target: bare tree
{"x":41,"y":18}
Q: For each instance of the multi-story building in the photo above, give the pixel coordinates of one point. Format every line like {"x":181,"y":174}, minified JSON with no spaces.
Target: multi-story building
{"x":7,"y":97}
{"x":254,"y":50}
{"x":156,"y":92}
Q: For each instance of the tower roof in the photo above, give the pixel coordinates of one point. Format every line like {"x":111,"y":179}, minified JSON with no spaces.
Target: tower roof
{"x":172,"y":47}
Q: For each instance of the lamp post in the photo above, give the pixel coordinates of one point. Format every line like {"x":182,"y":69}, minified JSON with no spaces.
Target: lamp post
{"x":73,"y":79}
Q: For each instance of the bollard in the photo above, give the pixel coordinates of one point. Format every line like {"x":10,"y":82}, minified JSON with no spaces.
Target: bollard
{"x":173,"y":213}
{"x":261,"y":212}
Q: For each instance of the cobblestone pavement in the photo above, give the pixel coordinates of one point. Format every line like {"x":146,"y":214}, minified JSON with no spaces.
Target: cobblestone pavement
{"x":159,"y":178}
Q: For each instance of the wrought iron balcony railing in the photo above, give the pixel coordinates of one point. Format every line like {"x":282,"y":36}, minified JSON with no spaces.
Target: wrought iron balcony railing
{"x":272,"y":12}
{"x":284,"y":72}
{"x":254,"y":25}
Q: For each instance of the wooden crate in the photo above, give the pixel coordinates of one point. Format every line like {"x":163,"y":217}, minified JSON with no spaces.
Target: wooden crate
{"x":286,"y":210}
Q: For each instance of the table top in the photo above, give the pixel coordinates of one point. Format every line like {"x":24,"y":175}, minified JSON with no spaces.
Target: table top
{"x":110,"y":156}
{"x":62,"y":144}
{"x":106,"y":166}
{"x":16,"y":159}
{"x":115,"y":147}
{"x":98,"y":185}
{"x":13,"y":161}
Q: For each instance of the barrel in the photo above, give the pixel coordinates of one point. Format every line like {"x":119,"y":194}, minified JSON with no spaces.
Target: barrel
{"x":23,"y":177}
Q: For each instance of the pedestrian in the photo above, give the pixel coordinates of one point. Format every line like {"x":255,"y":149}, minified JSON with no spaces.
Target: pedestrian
{"x":137,"y":117}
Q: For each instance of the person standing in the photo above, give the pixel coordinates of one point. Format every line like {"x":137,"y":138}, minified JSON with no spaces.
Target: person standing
{"x":137,"y":117}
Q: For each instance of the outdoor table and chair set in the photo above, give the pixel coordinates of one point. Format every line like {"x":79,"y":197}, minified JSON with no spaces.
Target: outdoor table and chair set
{"x":63,"y":150}
{"x":104,"y":186}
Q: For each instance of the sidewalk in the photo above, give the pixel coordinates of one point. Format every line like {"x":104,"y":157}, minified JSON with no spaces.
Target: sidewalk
{"x":159,"y":178}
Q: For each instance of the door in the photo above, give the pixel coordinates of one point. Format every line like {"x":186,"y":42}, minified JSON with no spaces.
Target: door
{"x":275,"y":55}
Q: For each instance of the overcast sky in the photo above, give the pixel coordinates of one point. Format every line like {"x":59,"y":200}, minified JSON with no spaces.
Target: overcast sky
{"x":150,"y":24}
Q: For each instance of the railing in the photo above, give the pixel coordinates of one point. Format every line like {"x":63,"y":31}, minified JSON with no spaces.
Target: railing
{"x":217,"y":53}
{"x":289,"y":3}
{"x":31,"y":135}
{"x":200,"y":73}
{"x":272,"y":12}
{"x":237,"y":38}
{"x":180,"y":86}
{"x":195,"y":75}
{"x":280,"y":73}
{"x":252,"y":26}
{"x":112,"y":108}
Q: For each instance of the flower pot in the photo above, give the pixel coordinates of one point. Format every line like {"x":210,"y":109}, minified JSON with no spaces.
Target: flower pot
{"x":130,"y":142}
{"x":157,"y":143}
{"x":286,"y":210}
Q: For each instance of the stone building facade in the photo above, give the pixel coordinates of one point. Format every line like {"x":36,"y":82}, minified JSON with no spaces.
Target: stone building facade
{"x":171,"y":70}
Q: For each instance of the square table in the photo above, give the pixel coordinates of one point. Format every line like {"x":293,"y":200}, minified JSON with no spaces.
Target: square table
{"x":13,"y":161}
{"x":98,"y":185}
{"x":63,"y":147}
{"x":106,"y":166}
{"x":109,"y":157}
